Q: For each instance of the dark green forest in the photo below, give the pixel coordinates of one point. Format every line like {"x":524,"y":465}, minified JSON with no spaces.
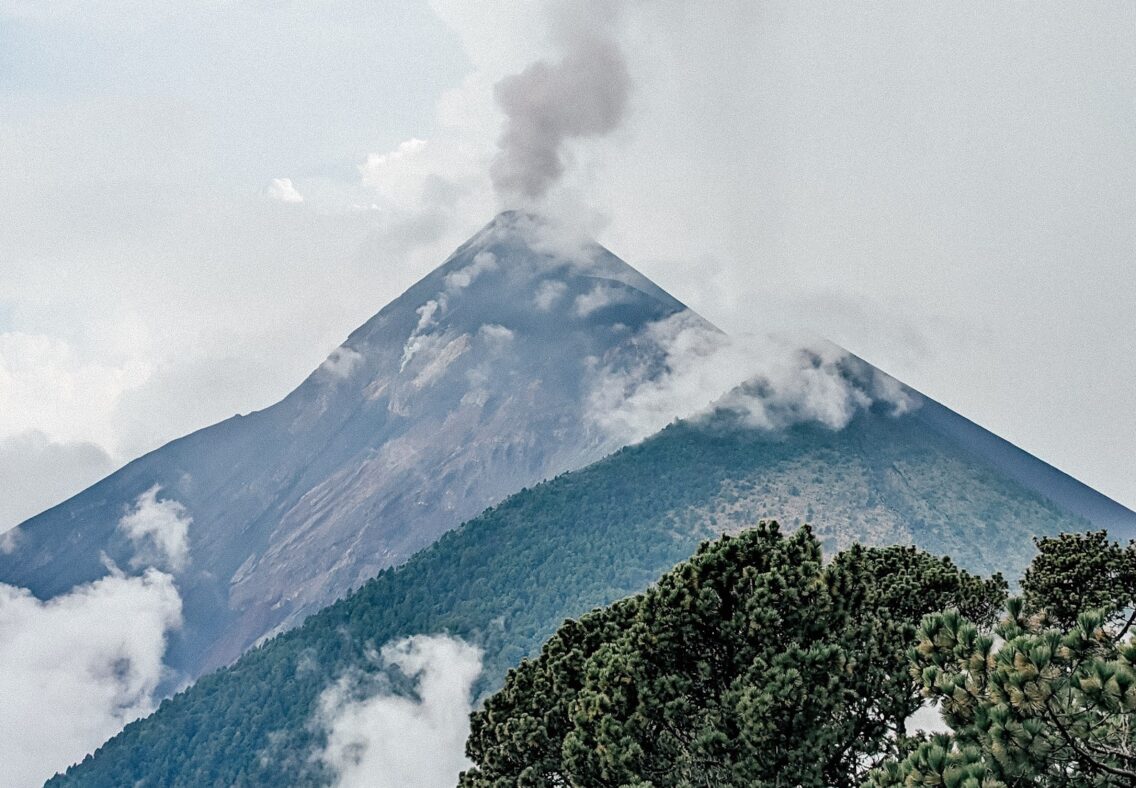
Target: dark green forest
{"x":508,"y":578}
{"x":755,"y":663}
{"x":751,"y":664}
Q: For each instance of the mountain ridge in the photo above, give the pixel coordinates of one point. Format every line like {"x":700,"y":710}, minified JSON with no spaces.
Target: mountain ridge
{"x":467,"y":387}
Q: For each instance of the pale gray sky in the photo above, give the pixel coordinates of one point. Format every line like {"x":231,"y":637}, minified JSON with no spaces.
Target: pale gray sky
{"x":199,"y":201}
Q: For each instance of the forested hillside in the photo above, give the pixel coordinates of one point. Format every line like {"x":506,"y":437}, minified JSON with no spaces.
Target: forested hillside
{"x":507,"y":579}
{"x":754,"y":664}
{"x":750,"y":664}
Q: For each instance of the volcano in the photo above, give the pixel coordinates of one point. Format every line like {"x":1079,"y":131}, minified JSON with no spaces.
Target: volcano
{"x":480,"y":380}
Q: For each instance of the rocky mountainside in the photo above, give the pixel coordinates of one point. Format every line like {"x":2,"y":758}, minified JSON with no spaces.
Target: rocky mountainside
{"x":471,"y":385}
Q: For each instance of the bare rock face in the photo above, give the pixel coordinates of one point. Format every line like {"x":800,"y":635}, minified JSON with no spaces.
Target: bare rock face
{"x":471,"y":385}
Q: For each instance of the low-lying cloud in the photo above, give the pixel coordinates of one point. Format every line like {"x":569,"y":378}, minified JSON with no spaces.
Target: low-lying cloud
{"x":390,"y":740}
{"x":600,"y":296}
{"x":78,"y":667}
{"x":584,"y":94}
{"x":496,"y":333}
{"x":769,"y":382}
{"x":464,"y":277}
{"x":341,"y":362}
{"x":548,"y":293}
{"x":283,"y":190}
{"x":158,"y":530}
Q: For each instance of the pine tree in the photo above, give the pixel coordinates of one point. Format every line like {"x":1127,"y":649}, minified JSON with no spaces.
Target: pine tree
{"x":1052,"y":705}
{"x":752,"y":663}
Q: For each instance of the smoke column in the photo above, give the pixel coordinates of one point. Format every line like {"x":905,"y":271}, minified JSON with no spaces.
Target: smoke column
{"x":584,"y":94}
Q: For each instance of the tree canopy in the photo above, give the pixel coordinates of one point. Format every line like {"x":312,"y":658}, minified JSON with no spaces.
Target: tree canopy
{"x":1049,"y":701}
{"x":752,"y":663}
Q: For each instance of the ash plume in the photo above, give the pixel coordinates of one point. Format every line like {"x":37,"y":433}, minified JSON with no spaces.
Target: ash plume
{"x":584,"y":94}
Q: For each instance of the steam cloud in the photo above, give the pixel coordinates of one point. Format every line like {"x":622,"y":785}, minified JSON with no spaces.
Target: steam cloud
{"x":769,"y":382}
{"x":159,"y":531}
{"x":78,"y":667}
{"x":438,"y":348}
{"x":341,"y":362}
{"x":389,"y":740}
{"x":582,"y":95}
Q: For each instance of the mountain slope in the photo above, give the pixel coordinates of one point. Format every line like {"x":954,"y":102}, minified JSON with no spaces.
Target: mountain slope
{"x":506,"y":579}
{"x":471,"y":385}
{"x":1034,"y":474}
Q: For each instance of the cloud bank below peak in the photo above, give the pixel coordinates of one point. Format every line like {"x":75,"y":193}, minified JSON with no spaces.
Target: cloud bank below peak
{"x":769,"y":382}
{"x":80,"y":666}
{"x":386,"y":740}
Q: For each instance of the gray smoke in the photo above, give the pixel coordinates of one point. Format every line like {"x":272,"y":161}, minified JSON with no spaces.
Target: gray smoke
{"x":584,"y":94}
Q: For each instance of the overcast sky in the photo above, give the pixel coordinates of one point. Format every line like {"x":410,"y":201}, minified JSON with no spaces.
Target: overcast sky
{"x":198,"y":204}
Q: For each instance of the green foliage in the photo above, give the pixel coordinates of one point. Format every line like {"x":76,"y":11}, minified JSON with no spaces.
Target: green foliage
{"x":936,"y":761}
{"x":1055,"y":704}
{"x":1074,"y":572}
{"x":749,"y":664}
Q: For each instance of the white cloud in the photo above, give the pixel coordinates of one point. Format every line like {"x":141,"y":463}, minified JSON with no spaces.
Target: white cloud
{"x":433,"y":194}
{"x":496,"y":333}
{"x":47,"y":384}
{"x":79,"y":666}
{"x":770,"y":381}
{"x":76,"y":668}
{"x":390,"y":741}
{"x":462,"y":278}
{"x":548,"y":293}
{"x":342,"y":362}
{"x":9,"y":540}
{"x":399,"y":177}
{"x":375,"y":169}
{"x":598,"y":297}
{"x":283,"y":190}
{"x":159,"y":531}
